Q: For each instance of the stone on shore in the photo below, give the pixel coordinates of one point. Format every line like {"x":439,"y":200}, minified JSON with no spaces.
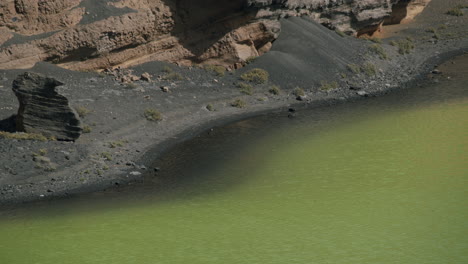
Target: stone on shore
{"x":43,"y":110}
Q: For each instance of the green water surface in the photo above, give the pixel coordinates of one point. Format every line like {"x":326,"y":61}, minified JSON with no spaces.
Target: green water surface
{"x":369,"y":184}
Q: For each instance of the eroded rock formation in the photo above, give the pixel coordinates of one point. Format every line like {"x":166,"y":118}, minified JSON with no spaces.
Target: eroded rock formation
{"x":43,"y":110}
{"x":224,"y":32}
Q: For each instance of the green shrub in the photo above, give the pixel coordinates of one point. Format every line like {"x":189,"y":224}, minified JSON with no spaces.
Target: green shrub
{"x":298,"y":92}
{"x":210,"y":107}
{"x":153,"y":115}
{"x":250,"y":59}
{"x":340,"y":33}
{"x":167,"y":69}
{"x":106,"y":155}
{"x":369,"y":69}
{"x":218,"y":70}
{"x":245,"y":88}
{"x":116,"y":144}
{"x":275,"y":90}
{"x":379,"y":50}
{"x":326,"y":86}
{"x":404,"y":46}
{"x":82,"y":111}
{"x":239,"y":103}
{"x":354,"y":68}
{"x":256,"y":75}
{"x":376,"y":40}
{"x":87,"y":129}
{"x":456,"y":11}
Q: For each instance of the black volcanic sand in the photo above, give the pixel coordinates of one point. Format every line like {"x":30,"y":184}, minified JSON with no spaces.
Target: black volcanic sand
{"x":304,"y":55}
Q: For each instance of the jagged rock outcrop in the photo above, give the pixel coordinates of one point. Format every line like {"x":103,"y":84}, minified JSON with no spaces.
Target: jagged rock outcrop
{"x":43,"y":110}
{"x":185,"y":32}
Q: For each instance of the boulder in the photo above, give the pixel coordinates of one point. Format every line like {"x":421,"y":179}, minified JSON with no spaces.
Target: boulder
{"x":43,"y":110}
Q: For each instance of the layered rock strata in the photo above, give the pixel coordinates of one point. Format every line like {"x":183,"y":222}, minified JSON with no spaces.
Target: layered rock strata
{"x":185,"y":32}
{"x":43,"y":110}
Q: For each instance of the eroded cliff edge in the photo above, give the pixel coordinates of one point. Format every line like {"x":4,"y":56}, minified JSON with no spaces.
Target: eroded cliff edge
{"x":86,"y":35}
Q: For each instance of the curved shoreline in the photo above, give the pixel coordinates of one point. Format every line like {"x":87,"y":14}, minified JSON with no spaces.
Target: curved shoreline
{"x":191,"y":120}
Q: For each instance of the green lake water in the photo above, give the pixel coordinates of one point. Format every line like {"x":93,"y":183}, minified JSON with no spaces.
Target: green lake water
{"x":383,"y":180}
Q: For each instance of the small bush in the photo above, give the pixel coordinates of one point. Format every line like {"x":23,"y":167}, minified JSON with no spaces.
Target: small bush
{"x":379,"y":50}
{"x":404,"y":46}
{"x":456,"y":11}
{"x":87,"y":129}
{"x":327,"y":86}
{"x":218,"y":70}
{"x":239,"y":103}
{"x":431,"y":30}
{"x":116,"y":144}
{"x":275,"y":90}
{"x":167,"y":69}
{"x":82,"y":111}
{"x":256,"y":75}
{"x":343,"y":75}
{"x":22,"y":136}
{"x":210,"y":107}
{"x":298,"y":92}
{"x":245,"y":88}
{"x":369,"y":69}
{"x":173,"y":76}
{"x":153,"y":115}
{"x":42,"y":152}
{"x":354,"y":68}
{"x":376,"y":40}
{"x":106,"y":155}
{"x":340,"y":33}
{"x":250,"y":59}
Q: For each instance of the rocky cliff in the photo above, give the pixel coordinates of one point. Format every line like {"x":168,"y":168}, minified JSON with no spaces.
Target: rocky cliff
{"x":92,"y":35}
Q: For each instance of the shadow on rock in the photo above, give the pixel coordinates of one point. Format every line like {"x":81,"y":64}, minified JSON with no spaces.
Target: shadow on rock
{"x":8,"y":124}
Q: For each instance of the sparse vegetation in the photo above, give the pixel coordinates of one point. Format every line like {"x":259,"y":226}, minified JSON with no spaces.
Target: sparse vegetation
{"x":256,"y":75}
{"x":210,"y":107}
{"x":298,"y":92}
{"x":369,"y":69}
{"x":167,"y":69}
{"x":87,"y":129}
{"x":116,"y":144}
{"x":153,"y":115}
{"x":106,"y":155}
{"x":239,"y":103}
{"x":404,"y":46}
{"x":173,"y":76}
{"x":218,"y":70}
{"x":245,"y":88}
{"x":343,"y":75}
{"x":82,"y":111}
{"x":275,"y":90}
{"x":376,"y":40}
{"x":22,"y":136}
{"x":250,"y":59}
{"x":456,"y":11}
{"x":340,"y":33}
{"x":131,"y":86}
{"x":327,"y":86}
{"x":379,"y":50}
{"x":42,"y":152}
{"x":354,"y":68}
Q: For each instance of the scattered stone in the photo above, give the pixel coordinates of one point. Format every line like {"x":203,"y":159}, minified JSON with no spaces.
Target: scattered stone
{"x":436,"y":71}
{"x":165,"y":89}
{"x":43,"y":110}
{"x":362,"y":93}
{"x":135,"y":173}
{"x":146,"y":77}
{"x":292,"y":110}
{"x":301,"y":97}
{"x":156,"y":169}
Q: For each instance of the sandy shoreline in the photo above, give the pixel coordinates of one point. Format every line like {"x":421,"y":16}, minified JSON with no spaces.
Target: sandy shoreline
{"x":117,"y":110}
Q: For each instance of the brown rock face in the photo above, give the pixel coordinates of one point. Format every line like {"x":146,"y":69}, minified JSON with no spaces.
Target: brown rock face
{"x":43,"y":110}
{"x":224,"y":32}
